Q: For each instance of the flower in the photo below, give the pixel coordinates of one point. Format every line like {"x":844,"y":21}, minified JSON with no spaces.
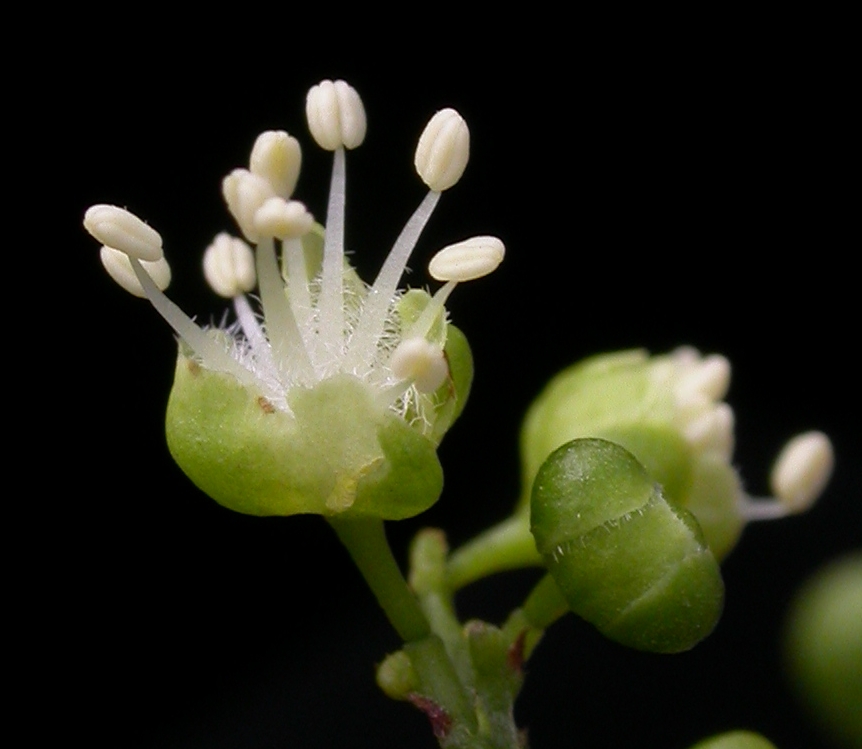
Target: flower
{"x":334,"y":397}
{"x":669,"y":412}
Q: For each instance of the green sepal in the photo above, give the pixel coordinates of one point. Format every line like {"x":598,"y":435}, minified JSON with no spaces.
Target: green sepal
{"x":338,"y":451}
{"x":628,"y":561}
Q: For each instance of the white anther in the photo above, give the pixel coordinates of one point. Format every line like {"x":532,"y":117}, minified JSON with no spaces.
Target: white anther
{"x":802,"y":470}
{"x":464,"y":261}
{"x":422,"y":362}
{"x":335,"y":115}
{"x":124,"y":231}
{"x":244,"y":193}
{"x":119,"y":267}
{"x":276,"y":157}
{"x":712,"y":431}
{"x":229,"y":266}
{"x":283,"y":219}
{"x":443,"y":150}
{"x":705,"y":378}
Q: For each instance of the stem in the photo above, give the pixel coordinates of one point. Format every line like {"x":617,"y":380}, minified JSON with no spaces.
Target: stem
{"x":506,"y":546}
{"x":545,"y":604}
{"x":365,"y":540}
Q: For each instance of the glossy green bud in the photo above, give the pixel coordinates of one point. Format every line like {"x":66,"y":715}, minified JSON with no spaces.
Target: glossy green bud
{"x":667,"y":411}
{"x":735,"y":740}
{"x":823,"y":647}
{"x":627,"y":560}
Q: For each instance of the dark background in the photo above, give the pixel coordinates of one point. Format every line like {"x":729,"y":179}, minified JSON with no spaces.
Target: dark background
{"x":649,"y":195}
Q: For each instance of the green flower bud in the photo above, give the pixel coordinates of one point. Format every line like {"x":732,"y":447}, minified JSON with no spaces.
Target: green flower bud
{"x":735,"y":740}
{"x":668,"y":411}
{"x":627,"y":560}
{"x":823,"y":647}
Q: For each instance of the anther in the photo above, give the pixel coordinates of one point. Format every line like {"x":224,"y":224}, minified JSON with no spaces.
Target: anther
{"x":443,"y":150}
{"x":276,"y":156}
{"x":802,"y":470}
{"x":119,"y":268}
{"x":336,"y":116}
{"x":122,"y":230}
{"x":467,"y":260}
{"x":229,"y":266}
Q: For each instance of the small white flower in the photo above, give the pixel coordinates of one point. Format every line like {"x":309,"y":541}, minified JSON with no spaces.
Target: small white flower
{"x":319,"y":327}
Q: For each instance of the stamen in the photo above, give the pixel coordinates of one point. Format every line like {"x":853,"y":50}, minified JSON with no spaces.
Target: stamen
{"x":259,"y":343}
{"x":336,"y":119}
{"x":802,"y":470}
{"x":464,"y":261}
{"x":712,"y":431}
{"x":374,"y":311}
{"x":277,"y":157}
{"x":119,"y":267}
{"x":467,"y":260}
{"x":293,"y":258}
{"x":420,"y":362}
{"x":229,"y":266}
{"x":707,"y":378}
{"x":331,"y":304}
{"x":800,"y":475}
{"x":443,"y":150}
{"x":210,"y":351}
{"x":335,"y":114}
{"x":122,"y":230}
{"x":282,"y":218}
{"x":244,"y":194}
{"x":288,"y":348}
{"x":422,"y":326}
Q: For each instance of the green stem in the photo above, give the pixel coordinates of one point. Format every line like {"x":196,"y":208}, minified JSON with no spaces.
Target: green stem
{"x":365,"y":540}
{"x":545,"y":604}
{"x":506,"y":546}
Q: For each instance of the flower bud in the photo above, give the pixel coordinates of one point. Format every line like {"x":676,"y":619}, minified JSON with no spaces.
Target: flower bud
{"x":443,"y":150}
{"x":626,"y":560}
{"x":663,"y":410}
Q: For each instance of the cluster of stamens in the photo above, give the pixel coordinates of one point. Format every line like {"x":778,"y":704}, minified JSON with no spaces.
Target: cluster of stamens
{"x":317,"y":320}
{"x":699,"y":384}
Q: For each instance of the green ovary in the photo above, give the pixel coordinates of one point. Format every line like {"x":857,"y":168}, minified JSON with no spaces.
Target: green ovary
{"x":338,"y":452}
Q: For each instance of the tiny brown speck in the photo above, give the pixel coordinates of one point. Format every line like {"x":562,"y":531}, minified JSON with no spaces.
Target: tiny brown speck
{"x":265,"y":405}
{"x":194,"y":367}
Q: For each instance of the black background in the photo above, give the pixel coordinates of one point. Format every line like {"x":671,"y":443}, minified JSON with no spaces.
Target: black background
{"x":649,"y":194}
